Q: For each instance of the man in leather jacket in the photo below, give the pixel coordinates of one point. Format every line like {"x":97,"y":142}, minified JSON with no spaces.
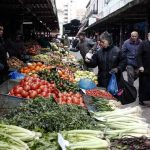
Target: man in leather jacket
{"x":108,"y":59}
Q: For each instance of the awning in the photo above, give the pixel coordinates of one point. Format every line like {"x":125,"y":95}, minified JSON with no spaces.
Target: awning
{"x":133,"y":12}
{"x":44,"y":11}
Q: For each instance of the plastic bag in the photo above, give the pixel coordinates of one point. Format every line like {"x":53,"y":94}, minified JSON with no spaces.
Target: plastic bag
{"x":86,"y":84}
{"x":16,"y":75}
{"x":112,"y":86}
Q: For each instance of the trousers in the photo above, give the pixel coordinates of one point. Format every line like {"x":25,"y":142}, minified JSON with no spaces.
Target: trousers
{"x":132,"y":74}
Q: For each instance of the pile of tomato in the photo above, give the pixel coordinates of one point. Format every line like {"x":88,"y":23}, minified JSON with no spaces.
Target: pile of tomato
{"x":99,"y":93}
{"x":32,"y":87}
{"x":70,"y":98}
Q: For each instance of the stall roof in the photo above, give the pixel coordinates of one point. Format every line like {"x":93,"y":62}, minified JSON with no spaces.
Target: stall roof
{"x":133,"y":12}
{"x":43,"y":10}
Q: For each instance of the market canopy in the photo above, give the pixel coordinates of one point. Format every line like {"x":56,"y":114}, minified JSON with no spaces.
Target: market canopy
{"x":133,"y":12}
{"x":44,"y":11}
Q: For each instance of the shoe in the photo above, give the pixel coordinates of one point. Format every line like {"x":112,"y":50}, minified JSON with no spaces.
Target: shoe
{"x":141,"y":103}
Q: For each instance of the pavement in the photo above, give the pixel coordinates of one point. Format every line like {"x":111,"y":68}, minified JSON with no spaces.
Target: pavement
{"x":145,"y":109}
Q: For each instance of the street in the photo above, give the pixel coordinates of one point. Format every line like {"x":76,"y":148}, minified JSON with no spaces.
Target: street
{"x":145,"y":109}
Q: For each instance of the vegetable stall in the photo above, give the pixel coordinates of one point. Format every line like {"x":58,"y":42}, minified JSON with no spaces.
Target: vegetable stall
{"x":54,"y":113}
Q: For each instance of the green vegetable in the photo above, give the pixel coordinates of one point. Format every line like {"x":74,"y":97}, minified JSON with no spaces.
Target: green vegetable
{"x":46,"y":115}
{"x":8,"y":142}
{"x":18,"y":132}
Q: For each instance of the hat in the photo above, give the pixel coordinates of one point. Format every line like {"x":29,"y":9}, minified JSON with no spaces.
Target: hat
{"x":106,"y":36}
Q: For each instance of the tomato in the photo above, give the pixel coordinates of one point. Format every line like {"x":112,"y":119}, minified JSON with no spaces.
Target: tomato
{"x":43,"y":94}
{"x":32,"y":94}
{"x":24,"y":93}
{"x":17,"y":90}
{"x":22,"y":82}
{"x":42,"y":87}
{"x":75,"y":100}
{"x":26,"y":87}
{"x":38,"y":91}
{"x":34,"y":86}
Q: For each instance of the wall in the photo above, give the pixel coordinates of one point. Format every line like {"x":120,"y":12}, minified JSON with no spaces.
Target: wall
{"x":107,"y":7}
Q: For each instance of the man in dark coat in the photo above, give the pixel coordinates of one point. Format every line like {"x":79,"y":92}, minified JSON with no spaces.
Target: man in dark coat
{"x":130,"y":49}
{"x":3,"y":57}
{"x":144,"y":69}
{"x":108,"y":59}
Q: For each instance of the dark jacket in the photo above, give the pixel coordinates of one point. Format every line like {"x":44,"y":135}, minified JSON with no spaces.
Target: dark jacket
{"x":144,"y":56}
{"x":3,"y":56}
{"x":130,"y":50}
{"x":107,"y":59}
{"x":85,"y":46}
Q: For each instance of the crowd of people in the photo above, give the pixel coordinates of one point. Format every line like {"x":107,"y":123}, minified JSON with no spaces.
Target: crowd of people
{"x":133,"y":57}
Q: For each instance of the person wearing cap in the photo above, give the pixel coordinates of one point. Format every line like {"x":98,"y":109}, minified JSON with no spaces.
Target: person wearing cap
{"x":143,"y":60}
{"x":130,"y":49}
{"x":108,"y":58}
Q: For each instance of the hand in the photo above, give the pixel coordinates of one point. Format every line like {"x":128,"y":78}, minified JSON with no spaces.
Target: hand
{"x":141,"y":69}
{"x":114,"y":70}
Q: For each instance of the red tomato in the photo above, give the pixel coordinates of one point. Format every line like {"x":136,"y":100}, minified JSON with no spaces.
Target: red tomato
{"x":34,"y":86}
{"x":38,"y":91}
{"x":32,"y":94}
{"x":75,"y":100}
{"x":26,"y":87}
{"x":11,"y":92}
{"x":17,"y":90}
{"x":44,"y":89}
{"x":43,"y":94}
{"x":24,"y":93}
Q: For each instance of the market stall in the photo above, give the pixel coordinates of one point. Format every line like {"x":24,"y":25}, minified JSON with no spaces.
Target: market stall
{"x":58,"y":106}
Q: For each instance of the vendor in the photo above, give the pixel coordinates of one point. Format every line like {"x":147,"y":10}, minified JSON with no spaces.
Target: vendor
{"x":108,"y":59}
{"x":3,"y":57}
{"x":16,"y":46}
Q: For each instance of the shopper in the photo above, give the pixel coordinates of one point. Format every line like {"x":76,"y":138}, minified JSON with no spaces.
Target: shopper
{"x":16,"y":46}
{"x":3,"y":57}
{"x":84,"y":45}
{"x":130,"y":49}
{"x":66,"y":41}
{"x":144,"y":69}
{"x":108,"y":59}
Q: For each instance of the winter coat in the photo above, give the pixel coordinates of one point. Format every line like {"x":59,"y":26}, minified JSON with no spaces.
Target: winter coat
{"x":144,"y":78}
{"x":107,"y":59}
{"x":3,"y":57}
{"x":84,"y":46}
{"x":130,"y":50}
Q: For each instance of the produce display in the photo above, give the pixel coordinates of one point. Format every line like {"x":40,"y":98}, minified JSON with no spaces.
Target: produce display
{"x":85,"y":139}
{"x":99,"y":93}
{"x":85,"y":74}
{"x":70,"y":98}
{"x":15,"y":63}
{"x":47,"y":116}
{"x":14,"y":137}
{"x":61,"y":84}
{"x":32,"y":68}
{"x":66,"y":74}
{"x":31,"y":87}
{"x":32,"y":48}
{"x":41,"y":58}
{"x":53,"y":108}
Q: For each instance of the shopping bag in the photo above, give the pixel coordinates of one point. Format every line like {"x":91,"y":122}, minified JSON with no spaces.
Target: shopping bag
{"x":16,"y":75}
{"x":112,"y":86}
{"x":127,"y":93}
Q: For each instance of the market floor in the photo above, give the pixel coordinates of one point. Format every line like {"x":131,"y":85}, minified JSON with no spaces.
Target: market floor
{"x":145,"y":109}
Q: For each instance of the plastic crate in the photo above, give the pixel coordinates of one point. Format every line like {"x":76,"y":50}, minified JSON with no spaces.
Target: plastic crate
{"x":7,"y":101}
